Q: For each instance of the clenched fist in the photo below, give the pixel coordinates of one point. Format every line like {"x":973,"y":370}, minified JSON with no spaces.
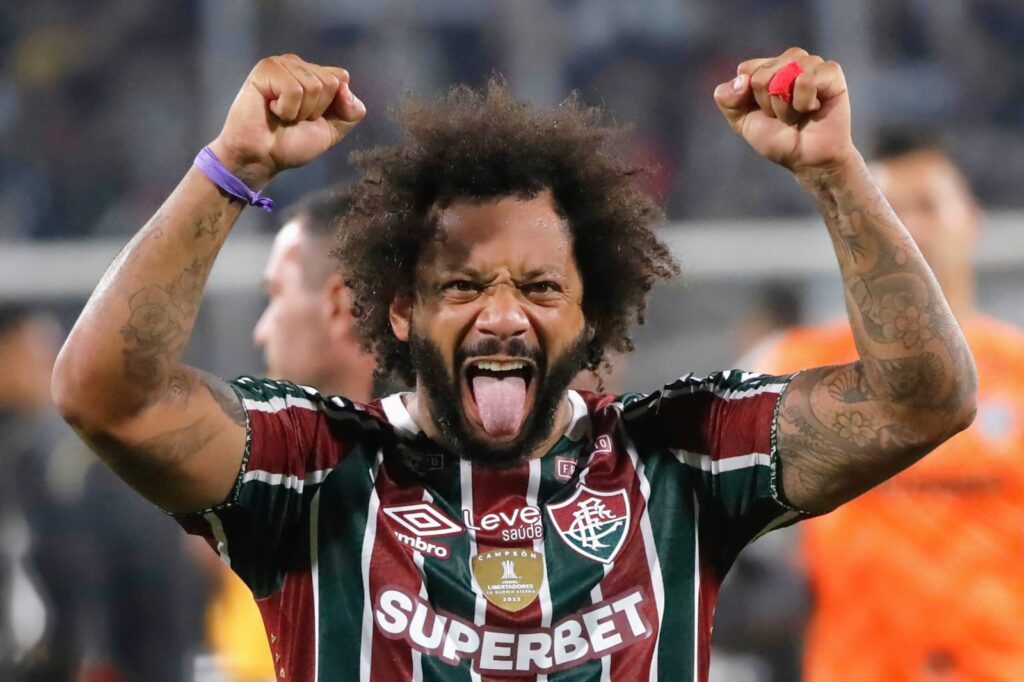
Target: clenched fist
{"x":811,"y":131}
{"x":287,"y":113}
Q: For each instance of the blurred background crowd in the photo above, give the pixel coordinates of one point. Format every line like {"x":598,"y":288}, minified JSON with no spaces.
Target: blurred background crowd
{"x":103,"y":105}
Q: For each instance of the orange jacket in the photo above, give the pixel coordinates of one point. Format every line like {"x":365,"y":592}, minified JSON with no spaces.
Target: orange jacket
{"x":922,"y":578}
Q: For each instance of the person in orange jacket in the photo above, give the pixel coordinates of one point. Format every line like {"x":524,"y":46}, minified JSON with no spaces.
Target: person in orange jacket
{"x":920,"y":579}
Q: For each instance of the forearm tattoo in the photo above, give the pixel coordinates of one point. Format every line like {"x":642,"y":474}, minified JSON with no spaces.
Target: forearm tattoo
{"x":843,"y":429}
{"x":160,"y":322}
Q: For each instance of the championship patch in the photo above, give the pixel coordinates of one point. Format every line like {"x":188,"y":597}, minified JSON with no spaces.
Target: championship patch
{"x":593,"y":523}
{"x":509,"y":578}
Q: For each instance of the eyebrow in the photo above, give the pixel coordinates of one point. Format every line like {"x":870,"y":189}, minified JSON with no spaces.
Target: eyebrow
{"x":473,"y":273}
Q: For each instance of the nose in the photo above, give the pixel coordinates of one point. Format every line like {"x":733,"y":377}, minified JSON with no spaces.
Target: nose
{"x":259,"y":332}
{"x":502,"y":315}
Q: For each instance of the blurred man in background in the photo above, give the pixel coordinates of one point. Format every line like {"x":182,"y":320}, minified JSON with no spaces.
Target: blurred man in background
{"x":920,"y":578}
{"x":94,"y":585}
{"x":34,"y":643}
{"x":305,"y":333}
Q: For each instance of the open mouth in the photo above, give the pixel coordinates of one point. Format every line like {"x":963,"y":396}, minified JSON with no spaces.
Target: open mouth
{"x":499,"y":394}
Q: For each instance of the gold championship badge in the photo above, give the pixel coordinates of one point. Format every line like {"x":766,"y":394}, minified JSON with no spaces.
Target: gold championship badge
{"x":509,"y":578}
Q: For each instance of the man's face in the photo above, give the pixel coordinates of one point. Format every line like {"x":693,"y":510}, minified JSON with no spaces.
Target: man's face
{"x":496,"y":329}
{"x":27,"y":353}
{"x":932,"y":199}
{"x":296,"y":331}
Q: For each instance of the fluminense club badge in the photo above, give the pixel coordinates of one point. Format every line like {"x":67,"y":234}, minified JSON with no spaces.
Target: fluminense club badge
{"x":510,"y":578}
{"x":593,"y":523}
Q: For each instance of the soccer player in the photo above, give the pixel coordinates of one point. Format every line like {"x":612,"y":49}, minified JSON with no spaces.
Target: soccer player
{"x":946,"y":534}
{"x":306,"y":331}
{"x":491,"y":521}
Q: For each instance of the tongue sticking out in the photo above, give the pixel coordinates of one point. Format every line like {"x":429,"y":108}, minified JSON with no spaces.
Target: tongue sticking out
{"x":501,"y":404}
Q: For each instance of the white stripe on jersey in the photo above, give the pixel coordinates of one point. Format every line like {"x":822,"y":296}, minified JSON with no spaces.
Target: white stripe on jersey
{"x":290,"y":481}
{"x":718,"y":466}
{"x":650,"y":548}
{"x":314,"y":574}
{"x":702,"y":385}
{"x":532,"y":490}
{"x":398,"y":416}
{"x":217,"y":528}
{"x":480,"y":607}
{"x":369,"y":536}
{"x":277,"y":403}
{"x":417,"y":558}
{"x":579,"y":422}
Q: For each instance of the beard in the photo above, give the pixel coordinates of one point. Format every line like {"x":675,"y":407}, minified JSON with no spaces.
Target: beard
{"x":443,"y":390}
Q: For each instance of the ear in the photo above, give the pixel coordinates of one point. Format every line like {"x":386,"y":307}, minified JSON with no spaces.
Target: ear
{"x":337,"y":301}
{"x":400,"y":313}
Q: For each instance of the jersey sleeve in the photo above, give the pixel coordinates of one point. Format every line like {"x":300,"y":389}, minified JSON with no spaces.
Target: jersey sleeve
{"x":722,"y":430}
{"x":293,"y":442}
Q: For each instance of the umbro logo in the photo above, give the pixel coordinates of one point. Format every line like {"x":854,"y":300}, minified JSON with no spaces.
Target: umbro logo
{"x":419,"y":521}
{"x":424,"y":519}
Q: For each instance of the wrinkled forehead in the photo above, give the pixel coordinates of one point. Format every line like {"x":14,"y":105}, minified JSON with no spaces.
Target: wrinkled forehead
{"x":520,"y":235}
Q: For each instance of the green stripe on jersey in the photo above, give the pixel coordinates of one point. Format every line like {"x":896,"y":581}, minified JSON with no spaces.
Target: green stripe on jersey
{"x":341,"y":523}
{"x":448,"y":580}
{"x":568,"y":587}
{"x":670,"y":509}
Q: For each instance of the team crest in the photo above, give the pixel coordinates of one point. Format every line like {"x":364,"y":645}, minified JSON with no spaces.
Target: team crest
{"x":593,"y":523}
{"x":509,"y":578}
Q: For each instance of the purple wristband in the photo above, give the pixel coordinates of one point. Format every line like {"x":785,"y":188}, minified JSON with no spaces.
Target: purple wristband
{"x":212,"y":168}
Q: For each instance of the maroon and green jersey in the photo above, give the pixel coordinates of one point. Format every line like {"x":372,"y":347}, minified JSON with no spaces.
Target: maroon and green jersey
{"x":375,"y":555}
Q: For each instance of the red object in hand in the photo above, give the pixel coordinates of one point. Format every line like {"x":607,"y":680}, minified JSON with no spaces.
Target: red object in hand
{"x":782,"y":82}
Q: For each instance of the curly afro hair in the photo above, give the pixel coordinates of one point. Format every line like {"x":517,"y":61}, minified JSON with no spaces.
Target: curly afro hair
{"x":483,"y":145}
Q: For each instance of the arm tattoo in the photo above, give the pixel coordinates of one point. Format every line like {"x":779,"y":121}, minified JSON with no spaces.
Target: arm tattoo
{"x":844,"y":429}
{"x":208,"y":225}
{"x":159,"y":323}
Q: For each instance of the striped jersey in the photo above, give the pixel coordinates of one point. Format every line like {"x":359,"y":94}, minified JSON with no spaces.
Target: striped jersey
{"x":374,"y":554}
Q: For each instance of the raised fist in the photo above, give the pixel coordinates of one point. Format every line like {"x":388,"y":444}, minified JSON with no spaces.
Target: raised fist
{"x":287,"y":113}
{"x":810,"y":131}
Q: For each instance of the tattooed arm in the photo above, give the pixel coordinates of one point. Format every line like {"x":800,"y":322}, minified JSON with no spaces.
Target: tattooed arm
{"x":174,"y":432}
{"x":842,"y":430}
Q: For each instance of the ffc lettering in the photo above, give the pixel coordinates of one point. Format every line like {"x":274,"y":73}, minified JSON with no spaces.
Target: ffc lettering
{"x":597,"y":631}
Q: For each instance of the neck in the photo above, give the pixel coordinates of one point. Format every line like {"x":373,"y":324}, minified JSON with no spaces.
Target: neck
{"x":356,"y":385}
{"x":418,"y":406}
